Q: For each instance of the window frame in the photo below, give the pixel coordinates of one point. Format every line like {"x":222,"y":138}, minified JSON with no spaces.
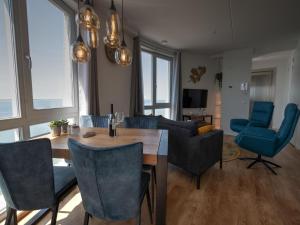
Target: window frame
{"x":28,"y":115}
{"x":155,"y":55}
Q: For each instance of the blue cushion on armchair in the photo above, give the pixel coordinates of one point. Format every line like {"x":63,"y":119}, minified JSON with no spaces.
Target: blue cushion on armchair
{"x":258,"y":140}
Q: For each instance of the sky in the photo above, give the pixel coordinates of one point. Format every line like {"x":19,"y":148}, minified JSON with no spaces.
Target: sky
{"x":162,"y":80}
{"x":48,"y":46}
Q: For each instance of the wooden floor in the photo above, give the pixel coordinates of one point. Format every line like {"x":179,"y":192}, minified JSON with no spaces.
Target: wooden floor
{"x":232,"y":196}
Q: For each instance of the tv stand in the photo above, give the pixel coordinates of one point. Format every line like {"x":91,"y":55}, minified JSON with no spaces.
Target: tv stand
{"x":197,"y":117}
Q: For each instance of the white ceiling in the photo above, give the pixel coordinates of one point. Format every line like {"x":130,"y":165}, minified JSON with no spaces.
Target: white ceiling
{"x":212,"y":26}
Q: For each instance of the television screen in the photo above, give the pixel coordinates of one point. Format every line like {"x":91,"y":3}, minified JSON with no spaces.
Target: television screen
{"x":194,"y":98}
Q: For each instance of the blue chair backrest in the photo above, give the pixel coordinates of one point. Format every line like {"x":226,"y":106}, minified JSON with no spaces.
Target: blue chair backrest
{"x":109,"y":179}
{"x":26,"y":174}
{"x":141,"y":122}
{"x":288,"y":125}
{"x":262,"y":113}
{"x":94,"y":121}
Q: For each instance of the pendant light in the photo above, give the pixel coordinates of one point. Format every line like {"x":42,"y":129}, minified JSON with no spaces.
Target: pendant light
{"x":80,"y":51}
{"x":93,"y":38}
{"x":112,"y":38}
{"x":123,"y":55}
{"x":87,"y":18}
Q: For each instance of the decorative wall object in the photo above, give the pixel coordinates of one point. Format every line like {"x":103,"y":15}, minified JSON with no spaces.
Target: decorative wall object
{"x":197,"y":73}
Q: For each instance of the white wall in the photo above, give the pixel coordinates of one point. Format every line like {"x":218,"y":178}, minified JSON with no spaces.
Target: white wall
{"x":281,"y":63}
{"x":295,"y":90}
{"x":114,"y":80}
{"x":194,"y":60}
{"x":236,"y":70}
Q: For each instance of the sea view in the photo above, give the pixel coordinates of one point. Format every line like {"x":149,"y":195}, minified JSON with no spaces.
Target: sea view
{"x":6,"y":111}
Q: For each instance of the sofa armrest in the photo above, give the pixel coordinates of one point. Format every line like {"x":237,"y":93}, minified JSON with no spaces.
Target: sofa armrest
{"x":204,"y":151}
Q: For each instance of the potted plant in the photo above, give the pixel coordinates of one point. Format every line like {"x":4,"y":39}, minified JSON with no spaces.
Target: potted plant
{"x":55,"y":126}
{"x":64,"y":126}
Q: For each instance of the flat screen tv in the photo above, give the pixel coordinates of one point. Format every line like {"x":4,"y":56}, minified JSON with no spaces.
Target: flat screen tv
{"x":194,"y":98}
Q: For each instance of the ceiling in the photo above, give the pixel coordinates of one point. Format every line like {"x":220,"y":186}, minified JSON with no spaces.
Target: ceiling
{"x":212,"y":26}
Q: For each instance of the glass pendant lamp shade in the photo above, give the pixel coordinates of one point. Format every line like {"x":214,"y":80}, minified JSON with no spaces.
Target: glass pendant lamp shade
{"x":112,"y":38}
{"x":80,"y":51}
{"x":123,"y":55}
{"x":93,"y":38}
{"x":87,"y":18}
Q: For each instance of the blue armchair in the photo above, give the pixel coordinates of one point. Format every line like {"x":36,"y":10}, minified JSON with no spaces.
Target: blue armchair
{"x":111,"y":181}
{"x":267,"y":142}
{"x":261,"y":116}
{"x":28,"y":179}
{"x":94,"y":121}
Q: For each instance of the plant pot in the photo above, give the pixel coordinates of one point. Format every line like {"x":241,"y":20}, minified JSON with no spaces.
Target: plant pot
{"x":55,"y":131}
{"x":64,"y":128}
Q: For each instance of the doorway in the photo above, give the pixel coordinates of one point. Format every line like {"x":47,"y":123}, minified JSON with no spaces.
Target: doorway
{"x":262,"y":86}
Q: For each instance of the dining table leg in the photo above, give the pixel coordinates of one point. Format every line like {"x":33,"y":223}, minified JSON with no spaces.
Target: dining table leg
{"x":161,"y":182}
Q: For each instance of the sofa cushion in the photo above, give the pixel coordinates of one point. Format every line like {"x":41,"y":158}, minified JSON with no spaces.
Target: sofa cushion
{"x":205,"y":129}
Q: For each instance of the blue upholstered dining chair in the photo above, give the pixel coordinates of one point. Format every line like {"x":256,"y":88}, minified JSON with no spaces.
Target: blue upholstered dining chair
{"x":261,"y":116}
{"x":94,"y":121}
{"x":28,"y":179}
{"x":111,"y":180}
{"x":266,"y":142}
{"x":141,"y":122}
{"x":144,"y":122}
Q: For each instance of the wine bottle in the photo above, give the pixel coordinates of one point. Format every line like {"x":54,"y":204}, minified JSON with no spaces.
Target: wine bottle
{"x":111,"y":124}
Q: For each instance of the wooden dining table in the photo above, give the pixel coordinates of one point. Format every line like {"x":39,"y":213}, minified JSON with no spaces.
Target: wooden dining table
{"x":155,"y":151}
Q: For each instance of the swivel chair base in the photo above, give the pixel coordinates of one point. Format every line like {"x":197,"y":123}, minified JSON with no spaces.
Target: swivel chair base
{"x":259,"y":159}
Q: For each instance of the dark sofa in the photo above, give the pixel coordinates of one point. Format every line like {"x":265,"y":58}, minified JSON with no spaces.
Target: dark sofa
{"x":190,"y":151}
{"x":187,"y":150}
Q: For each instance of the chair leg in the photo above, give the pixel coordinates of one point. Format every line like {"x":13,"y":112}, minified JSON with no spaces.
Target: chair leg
{"x":11,"y":214}
{"x":139,"y":217}
{"x":15,"y":218}
{"x":198,"y":181}
{"x":274,"y":164}
{"x":269,"y":167}
{"x":252,"y":164}
{"x":266,"y":163}
{"x":152,"y":187}
{"x":154,"y":173}
{"x":54,"y":214}
{"x":86,"y":218}
{"x":149,"y":205}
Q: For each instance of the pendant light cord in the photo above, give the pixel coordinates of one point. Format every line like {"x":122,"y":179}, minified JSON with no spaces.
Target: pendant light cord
{"x":123,"y":20}
{"x":78,"y":25}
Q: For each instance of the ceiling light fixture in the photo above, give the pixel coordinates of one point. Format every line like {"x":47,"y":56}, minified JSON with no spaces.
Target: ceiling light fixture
{"x":80,"y":51}
{"x":112,"y":38}
{"x":123,"y":54}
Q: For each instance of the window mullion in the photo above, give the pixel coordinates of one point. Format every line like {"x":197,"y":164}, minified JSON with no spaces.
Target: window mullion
{"x":154,"y":79}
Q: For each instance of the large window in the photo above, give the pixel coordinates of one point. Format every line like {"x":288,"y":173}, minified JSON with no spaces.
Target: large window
{"x":38,"y":80}
{"x":51,"y":66}
{"x":9,"y":96}
{"x":156,"y":70}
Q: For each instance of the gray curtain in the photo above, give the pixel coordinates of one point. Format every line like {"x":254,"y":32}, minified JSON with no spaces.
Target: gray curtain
{"x":137,"y":95}
{"x":94,"y":106}
{"x":176,"y":98}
